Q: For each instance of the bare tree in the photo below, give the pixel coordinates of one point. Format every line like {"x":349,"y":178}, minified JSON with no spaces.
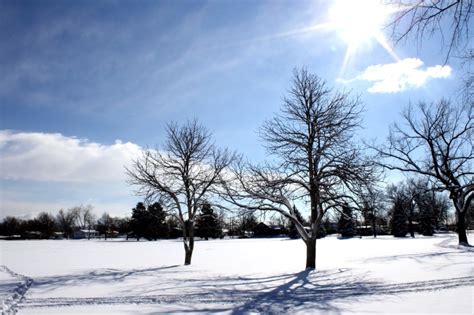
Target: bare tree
{"x":449,"y":18}
{"x":370,"y":203}
{"x":65,"y":221}
{"x":182,"y":176}
{"x":467,"y":64}
{"x":106,"y":225}
{"x":437,"y":142}
{"x":316,"y":161}
{"x":84,"y":217}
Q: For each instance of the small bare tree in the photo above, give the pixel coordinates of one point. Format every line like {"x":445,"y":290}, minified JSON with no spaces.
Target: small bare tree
{"x":449,"y":18}
{"x":370,"y":203}
{"x":183,"y":176}
{"x":437,"y":142}
{"x":84,"y":217}
{"x":316,"y":161}
{"x":65,"y":221}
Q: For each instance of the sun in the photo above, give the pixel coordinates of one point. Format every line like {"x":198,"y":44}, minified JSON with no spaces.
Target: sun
{"x":360,"y":23}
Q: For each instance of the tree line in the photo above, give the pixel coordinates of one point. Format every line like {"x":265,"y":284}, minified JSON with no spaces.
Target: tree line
{"x":404,"y":209}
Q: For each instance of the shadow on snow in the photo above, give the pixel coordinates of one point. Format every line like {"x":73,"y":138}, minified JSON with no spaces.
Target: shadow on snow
{"x":311,"y":290}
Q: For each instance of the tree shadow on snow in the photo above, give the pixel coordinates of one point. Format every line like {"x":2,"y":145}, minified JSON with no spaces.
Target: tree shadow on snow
{"x":282,"y":293}
{"x":101,"y":276}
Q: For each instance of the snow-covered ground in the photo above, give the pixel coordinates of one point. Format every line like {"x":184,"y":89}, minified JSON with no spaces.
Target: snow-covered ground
{"x":383,"y":275}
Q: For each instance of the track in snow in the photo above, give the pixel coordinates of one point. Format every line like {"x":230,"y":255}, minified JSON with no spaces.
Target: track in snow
{"x":10,"y":305}
{"x":301,"y":289}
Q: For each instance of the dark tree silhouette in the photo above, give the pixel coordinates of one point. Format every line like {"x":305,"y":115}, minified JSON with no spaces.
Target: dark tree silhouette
{"x":315,"y":158}
{"x":346,"y":223}
{"x":399,"y":208}
{"x":292,"y":231}
{"x":65,"y":222}
{"x":247,"y":223}
{"x":139,"y":220}
{"x":181,"y":176}
{"x":149,"y":222}
{"x":437,"y":142}
{"x":449,"y":18}
{"x":157,"y":225}
{"x":11,"y":226}
{"x":46,"y":224}
{"x":207,"y":223}
{"x":105,"y":225}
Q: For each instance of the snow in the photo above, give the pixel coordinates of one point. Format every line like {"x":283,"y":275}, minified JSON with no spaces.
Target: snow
{"x":353,"y":276}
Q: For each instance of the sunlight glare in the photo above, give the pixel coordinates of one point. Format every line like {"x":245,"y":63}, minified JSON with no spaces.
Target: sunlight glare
{"x":358,"y":22}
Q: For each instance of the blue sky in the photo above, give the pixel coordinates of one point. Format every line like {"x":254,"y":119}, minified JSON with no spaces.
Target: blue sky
{"x":85,"y":84}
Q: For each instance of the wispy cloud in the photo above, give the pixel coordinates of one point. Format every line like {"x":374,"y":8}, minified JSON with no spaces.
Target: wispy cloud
{"x":57,"y":158}
{"x":396,"y":77}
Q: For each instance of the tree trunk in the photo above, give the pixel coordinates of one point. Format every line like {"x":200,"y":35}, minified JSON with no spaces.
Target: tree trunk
{"x":410,"y":223}
{"x":374,"y":227}
{"x":188,"y":247}
{"x":311,"y":254}
{"x":461,"y":228}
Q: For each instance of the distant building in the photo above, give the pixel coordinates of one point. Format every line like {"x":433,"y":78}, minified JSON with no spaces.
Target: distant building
{"x":263,"y":230}
{"x":80,"y":234}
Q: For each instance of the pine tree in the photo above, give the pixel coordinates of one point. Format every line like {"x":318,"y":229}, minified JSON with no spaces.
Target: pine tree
{"x":293,"y":233}
{"x":150,"y":222}
{"x":137,"y":223}
{"x":346,"y":223}
{"x":398,"y":224}
{"x":207,"y":223}
{"x":426,"y":204}
{"x":156,"y":226}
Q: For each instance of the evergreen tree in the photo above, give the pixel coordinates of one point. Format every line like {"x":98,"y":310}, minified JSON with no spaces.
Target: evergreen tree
{"x":157,"y":226}
{"x":398,"y":223}
{"x":440,"y":209}
{"x":426,"y":221}
{"x":207,"y":223}
{"x":124,"y":226}
{"x":293,"y":233}
{"x":149,"y":223}
{"x":346,"y":223}
{"x":174,"y":228}
{"x":425,"y":202}
{"x":138,"y":221}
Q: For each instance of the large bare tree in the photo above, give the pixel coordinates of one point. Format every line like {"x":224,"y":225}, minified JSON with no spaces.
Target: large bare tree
{"x":315,"y":161}
{"x":421,"y":18}
{"x":182,"y":176}
{"x":436,"y":141}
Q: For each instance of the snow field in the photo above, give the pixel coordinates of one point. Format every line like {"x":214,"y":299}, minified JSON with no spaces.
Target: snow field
{"x":383,"y":275}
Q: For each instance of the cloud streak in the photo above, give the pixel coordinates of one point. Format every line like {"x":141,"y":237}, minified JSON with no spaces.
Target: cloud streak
{"x":400,"y":76}
{"x":52,"y":157}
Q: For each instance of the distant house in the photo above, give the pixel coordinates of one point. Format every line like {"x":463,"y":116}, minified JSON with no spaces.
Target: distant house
{"x":58,"y":235}
{"x":32,"y":235}
{"x":263,"y":230}
{"x":80,"y":234}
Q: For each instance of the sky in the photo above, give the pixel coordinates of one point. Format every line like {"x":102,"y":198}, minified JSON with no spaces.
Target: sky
{"x":85,"y":85}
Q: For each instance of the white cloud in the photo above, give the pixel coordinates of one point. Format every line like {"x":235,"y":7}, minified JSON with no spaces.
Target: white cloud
{"x":402,"y":75}
{"x":57,"y":158}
